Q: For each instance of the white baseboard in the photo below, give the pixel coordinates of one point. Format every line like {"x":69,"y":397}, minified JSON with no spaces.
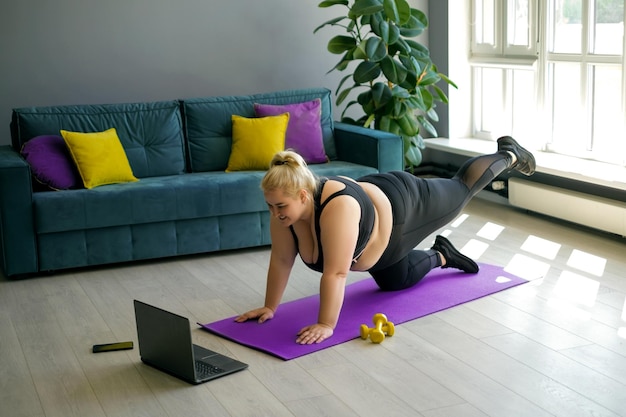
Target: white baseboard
{"x":588,"y":210}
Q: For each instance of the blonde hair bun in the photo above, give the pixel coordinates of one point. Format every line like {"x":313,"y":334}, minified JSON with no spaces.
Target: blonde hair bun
{"x":289,"y":172}
{"x":288,"y":157}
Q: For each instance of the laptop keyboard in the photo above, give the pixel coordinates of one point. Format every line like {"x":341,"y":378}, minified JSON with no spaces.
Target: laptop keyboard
{"x":204,"y":370}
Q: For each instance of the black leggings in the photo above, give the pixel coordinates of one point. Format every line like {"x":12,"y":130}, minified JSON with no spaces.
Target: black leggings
{"x":420,"y":206}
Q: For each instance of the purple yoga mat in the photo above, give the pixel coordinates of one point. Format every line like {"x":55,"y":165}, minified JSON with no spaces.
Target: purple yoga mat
{"x":440,"y":289}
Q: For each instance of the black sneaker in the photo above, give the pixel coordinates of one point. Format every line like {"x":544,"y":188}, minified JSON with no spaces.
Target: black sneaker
{"x":454,"y":258}
{"x":525,"y":160}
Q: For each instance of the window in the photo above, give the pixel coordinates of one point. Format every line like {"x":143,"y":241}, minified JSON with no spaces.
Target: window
{"x":551,"y":73}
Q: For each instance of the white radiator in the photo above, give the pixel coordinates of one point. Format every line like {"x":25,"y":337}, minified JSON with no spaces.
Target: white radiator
{"x":596,"y":212}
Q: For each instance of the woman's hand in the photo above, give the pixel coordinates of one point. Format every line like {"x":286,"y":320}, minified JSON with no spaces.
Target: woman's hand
{"x":315,"y":333}
{"x":263,"y":314}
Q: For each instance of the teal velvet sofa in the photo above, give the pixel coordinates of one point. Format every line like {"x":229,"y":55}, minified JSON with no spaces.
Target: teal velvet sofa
{"x":184,"y":202}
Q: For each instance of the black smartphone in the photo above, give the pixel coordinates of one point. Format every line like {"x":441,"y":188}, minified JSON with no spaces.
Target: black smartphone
{"x":109,"y":347}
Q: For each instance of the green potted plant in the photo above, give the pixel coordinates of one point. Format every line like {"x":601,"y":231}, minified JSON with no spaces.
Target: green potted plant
{"x":394,"y":76}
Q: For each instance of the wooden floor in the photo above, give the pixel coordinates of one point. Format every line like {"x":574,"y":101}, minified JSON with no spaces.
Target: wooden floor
{"x":553,"y":347}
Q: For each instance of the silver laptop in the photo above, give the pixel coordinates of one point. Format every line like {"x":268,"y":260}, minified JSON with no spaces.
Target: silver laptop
{"x":165,"y":343}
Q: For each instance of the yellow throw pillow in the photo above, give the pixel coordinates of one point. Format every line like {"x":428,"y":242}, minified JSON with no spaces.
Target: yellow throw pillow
{"x":99,"y":157}
{"x":255,"y":141}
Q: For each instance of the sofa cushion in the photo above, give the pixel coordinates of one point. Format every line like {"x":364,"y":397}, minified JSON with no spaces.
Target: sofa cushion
{"x":99,"y":157}
{"x":161,"y":199}
{"x":151,"y":133}
{"x":51,"y":163}
{"x":304,"y":131}
{"x":150,"y":200}
{"x":209,"y":128}
{"x":255,"y":141}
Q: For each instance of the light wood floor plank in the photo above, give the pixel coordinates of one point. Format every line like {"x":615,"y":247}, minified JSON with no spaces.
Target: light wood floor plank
{"x":469,"y":382}
{"x":601,"y":360}
{"x":568,"y":317}
{"x":364,"y":395}
{"x":547,"y":392}
{"x":324,"y":406}
{"x":463,"y":410}
{"x":59,"y":378}
{"x":586,"y":381}
{"x":527,"y":324}
{"x":18,"y":395}
{"x":407,"y":382}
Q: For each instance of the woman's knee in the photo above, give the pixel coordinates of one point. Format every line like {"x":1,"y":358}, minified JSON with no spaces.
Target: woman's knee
{"x":392,"y":278}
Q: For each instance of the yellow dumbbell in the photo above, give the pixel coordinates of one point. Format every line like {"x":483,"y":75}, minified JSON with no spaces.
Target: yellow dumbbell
{"x":382,"y":327}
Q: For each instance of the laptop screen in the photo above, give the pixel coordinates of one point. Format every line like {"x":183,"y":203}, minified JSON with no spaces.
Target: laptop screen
{"x":164,"y":340}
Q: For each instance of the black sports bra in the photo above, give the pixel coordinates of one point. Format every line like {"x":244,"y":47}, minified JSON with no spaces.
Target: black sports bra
{"x":366,"y":223}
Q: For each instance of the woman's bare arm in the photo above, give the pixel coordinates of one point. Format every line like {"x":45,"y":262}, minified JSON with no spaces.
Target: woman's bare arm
{"x":339,"y":225}
{"x":282,"y":257}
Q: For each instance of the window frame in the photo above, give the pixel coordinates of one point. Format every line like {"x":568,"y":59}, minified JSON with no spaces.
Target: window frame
{"x":538,"y":57}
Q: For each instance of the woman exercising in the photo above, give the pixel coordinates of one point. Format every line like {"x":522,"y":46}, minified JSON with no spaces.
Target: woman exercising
{"x":372,"y":224}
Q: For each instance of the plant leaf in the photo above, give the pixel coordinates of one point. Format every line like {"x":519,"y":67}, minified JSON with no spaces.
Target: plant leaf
{"x":427,"y":125}
{"x":366,"y":71}
{"x":432,"y":114}
{"x":394,"y":34}
{"x":364,"y":98}
{"x":409,"y":124}
{"x":331,"y":22}
{"x":427,"y":99}
{"x":369,"y":120}
{"x":419,"y":141}
{"x":340,"y":44}
{"x":365,"y":7}
{"x":343,"y":63}
{"x":399,"y":92}
{"x":375,"y":49}
{"x":381,"y":94}
{"x":399,"y":109}
{"x":391,"y":10}
{"x":440,"y":94}
{"x":415,"y":25}
{"x":381,"y":29}
{"x":343,"y":95}
{"x":404,"y":9}
{"x":410,"y":82}
{"x":328,"y":3}
{"x":359,"y":51}
{"x":398,"y":11}
{"x":374,"y":22}
{"x":393,"y":70}
{"x":428,"y":78}
{"x":412,"y":155}
{"x":448,"y":81}
{"x":343,"y":80}
{"x":394,"y":127}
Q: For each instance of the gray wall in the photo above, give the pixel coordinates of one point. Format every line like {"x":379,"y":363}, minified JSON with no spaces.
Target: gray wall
{"x":108,"y":51}
{"x":95,"y":51}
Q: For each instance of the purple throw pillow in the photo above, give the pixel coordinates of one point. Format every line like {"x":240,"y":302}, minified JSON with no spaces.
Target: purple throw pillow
{"x":51,"y":162}
{"x":304,"y":131}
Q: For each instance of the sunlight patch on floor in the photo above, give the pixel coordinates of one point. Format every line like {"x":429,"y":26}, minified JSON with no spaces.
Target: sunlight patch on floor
{"x":474,"y":248}
{"x":526,"y":267}
{"x":587,"y":262}
{"x":576,"y":289}
{"x":541,"y":247}
{"x":459,"y":220}
{"x":573,"y":293}
{"x":490,"y":231}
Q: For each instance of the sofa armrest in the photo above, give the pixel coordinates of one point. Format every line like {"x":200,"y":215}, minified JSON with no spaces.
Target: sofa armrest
{"x":18,"y":247}
{"x":374,"y":148}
